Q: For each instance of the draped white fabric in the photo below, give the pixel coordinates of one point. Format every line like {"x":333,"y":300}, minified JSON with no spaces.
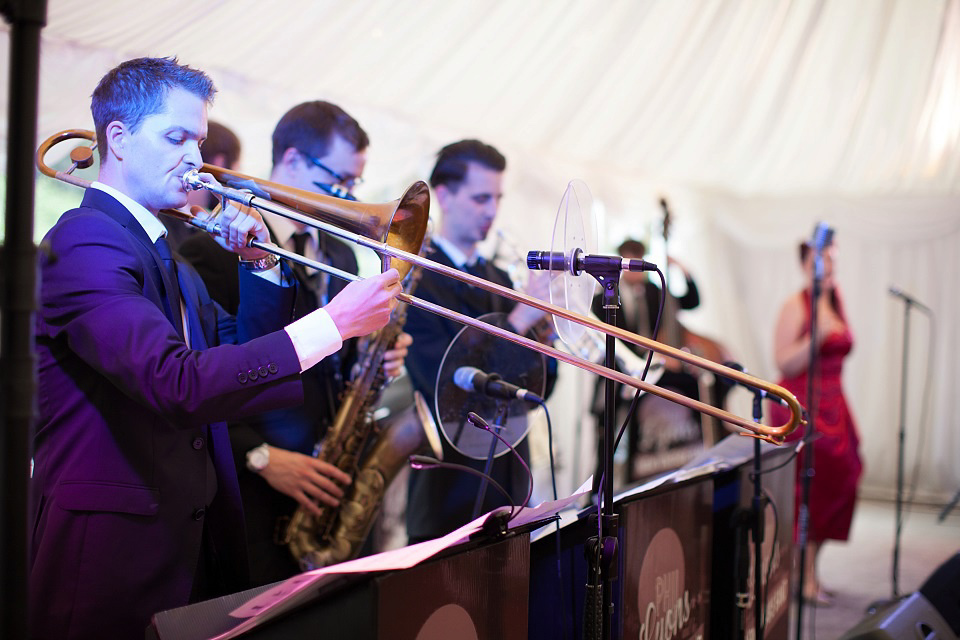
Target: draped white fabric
{"x":755,"y":118}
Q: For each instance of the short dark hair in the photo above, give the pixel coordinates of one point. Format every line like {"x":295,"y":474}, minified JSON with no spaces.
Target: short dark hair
{"x":138,"y":88}
{"x":452,"y":162}
{"x":309,"y":127}
{"x":632,"y":247}
{"x":221,"y":141}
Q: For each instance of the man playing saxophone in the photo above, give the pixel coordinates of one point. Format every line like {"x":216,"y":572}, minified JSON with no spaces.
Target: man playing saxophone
{"x":467,"y":183}
{"x":317,"y":147}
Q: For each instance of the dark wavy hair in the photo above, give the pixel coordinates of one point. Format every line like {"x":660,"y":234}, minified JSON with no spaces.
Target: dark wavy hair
{"x":138,"y":88}
{"x":221,"y":141}
{"x":452,"y":161}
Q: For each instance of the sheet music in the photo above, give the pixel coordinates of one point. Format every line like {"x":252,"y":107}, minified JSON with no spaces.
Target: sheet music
{"x":297,"y":589}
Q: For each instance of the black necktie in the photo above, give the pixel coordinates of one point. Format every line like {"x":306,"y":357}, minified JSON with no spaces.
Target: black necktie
{"x":478,"y":268}
{"x":171,"y":283}
{"x":314,"y":281}
{"x":487,"y":301}
{"x":300,"y":247}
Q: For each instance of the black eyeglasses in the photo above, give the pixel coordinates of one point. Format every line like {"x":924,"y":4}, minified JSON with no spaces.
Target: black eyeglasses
{"x":341,"y":188}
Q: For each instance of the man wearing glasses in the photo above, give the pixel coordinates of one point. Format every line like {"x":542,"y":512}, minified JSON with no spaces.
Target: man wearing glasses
{"x":317,"y":147}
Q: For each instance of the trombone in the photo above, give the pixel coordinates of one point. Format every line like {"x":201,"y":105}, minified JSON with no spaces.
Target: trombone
{"x":395,"y":230}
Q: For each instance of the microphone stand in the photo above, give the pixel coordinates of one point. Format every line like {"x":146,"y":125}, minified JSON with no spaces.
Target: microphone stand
{"x":601,"y":550}
{"x":499,"y":418}
{"x":803,"y":517}
{"x":758,"y":509}
{"x":909,"y":303}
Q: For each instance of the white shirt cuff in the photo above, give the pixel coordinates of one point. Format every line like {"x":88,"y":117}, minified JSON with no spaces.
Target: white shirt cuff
{"x":314,"y":337}
{"x":273,"y":275}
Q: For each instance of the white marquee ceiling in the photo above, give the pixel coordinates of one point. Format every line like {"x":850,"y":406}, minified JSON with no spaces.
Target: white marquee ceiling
{"x":756,"y":118}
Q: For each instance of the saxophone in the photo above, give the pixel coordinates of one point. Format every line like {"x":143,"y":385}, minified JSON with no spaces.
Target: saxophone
{"x":339,"y":532}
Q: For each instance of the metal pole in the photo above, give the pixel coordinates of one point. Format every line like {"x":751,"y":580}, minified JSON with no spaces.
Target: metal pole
{"x":900,"y":444}
{"x":17,"y":368}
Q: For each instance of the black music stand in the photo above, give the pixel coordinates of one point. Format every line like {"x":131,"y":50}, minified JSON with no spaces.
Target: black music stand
{"x":455,"y":591}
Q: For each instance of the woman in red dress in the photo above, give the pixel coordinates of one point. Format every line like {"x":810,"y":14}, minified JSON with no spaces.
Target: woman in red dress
{"x":837,"y":464}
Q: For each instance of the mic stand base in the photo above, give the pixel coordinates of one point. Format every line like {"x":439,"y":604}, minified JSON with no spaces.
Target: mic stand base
{"x":602,"y":576}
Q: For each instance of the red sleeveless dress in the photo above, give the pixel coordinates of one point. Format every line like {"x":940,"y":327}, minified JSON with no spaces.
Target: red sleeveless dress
{"x":836,"y":461}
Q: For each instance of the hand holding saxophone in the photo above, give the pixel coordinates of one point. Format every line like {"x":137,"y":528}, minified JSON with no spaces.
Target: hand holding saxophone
{"x":307,"y":480}
{"x":393,"y":358}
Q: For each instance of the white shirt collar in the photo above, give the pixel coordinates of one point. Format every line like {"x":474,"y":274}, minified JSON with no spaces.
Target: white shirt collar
{"x":147,"y":220}
{"x":457,"y":257}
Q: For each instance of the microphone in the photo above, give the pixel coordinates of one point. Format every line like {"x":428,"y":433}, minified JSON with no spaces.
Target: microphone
{"x":822,"y":236}
{"x":556,"y":261}
{"x":906,"y":297}
{"x":471,"y":379}
{"x":755,"y":390}
{"x":420,"y":462}
{"x":480,"y":423}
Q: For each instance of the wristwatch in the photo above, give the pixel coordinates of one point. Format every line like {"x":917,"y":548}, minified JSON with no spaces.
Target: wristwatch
{"x":261,"y":264}
{"x":258,"y":458}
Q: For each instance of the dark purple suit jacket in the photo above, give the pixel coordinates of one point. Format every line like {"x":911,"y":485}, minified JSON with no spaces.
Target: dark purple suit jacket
{"x":132,"y":457}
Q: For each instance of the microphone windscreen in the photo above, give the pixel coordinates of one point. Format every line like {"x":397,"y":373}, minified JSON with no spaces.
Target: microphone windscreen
{"x":464,"y":377}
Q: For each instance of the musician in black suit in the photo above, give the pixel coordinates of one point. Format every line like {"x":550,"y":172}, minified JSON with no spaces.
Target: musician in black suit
{"x":317,"y":147}
{"x":467,"y":183}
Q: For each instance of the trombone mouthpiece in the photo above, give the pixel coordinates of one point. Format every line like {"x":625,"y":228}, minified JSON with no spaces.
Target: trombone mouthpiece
{"x":191,"y":180}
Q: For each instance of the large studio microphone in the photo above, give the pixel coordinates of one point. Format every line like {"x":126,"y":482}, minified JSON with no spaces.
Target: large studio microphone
{"x":822,"y":236}
{"x":578,"y":262}
{"x":471,"y":379}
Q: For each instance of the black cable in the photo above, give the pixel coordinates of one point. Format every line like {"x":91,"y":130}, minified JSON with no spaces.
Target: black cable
{"x":553,"y":479}
{"x":773,"y":551}
{"x":656,"y":331}
{"x":796,"y":452}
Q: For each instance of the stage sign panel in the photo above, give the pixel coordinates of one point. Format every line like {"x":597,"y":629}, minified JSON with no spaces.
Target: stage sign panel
{"x":477,"y":594}
{"x":667,"y":541}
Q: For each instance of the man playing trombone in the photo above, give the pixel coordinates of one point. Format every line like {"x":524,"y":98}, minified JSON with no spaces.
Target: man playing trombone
{"x":134,"y":497}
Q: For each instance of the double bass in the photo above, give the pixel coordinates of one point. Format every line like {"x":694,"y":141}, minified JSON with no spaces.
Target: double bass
{"x":674,"y":333}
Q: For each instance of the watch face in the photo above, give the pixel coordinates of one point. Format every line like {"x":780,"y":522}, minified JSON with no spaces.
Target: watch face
{"x":258,"y":459}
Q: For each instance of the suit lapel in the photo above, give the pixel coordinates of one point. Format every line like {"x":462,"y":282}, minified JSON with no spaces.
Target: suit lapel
{"x":102,"y":201}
